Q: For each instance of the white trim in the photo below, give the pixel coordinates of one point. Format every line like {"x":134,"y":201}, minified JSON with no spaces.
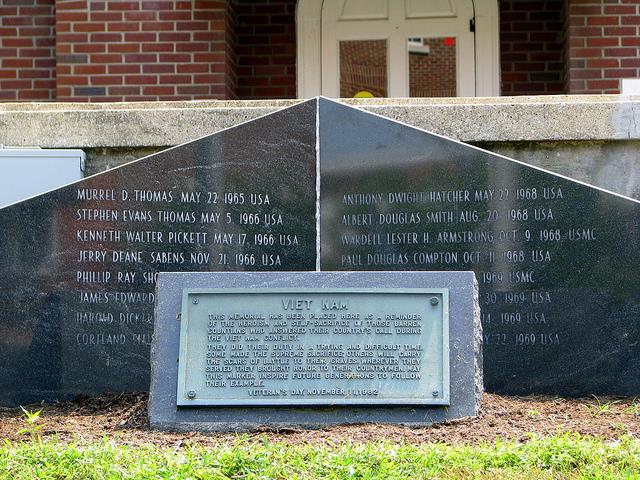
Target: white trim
{"x":487,"y":48}
{"x":308,"y":51}
{"x":309,"y":48}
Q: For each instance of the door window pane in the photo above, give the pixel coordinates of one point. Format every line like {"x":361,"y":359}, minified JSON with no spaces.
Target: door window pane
{"x":363,"y":68}
{"x":432,"y":67}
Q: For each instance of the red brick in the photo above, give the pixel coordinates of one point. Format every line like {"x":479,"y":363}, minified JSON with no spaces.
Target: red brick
{"x":130,"y":90}
{"x":620,"y":73}
{"x":621,"y":52}
{"x":106,"y":37}
{"x":603,"y":42}
{"x":193,"y":68}
{"x":602,"y":62}
{"x":604,"y":20}
{"x":119,"y":5}
{"x":106,"y":58}
{"x":159,"y":68}
{"x":6,"y":21}
{"x":106,"y":16}
{"x":72,"y":80}
{"x":89,"y":27}
{"x":72,"y":38}
{"x":106,"y":80}
{"x":175,"y":57}
{"x":71,"y":16}
{"x":141,"y":58}
{"x":174,"y":36}
{"x":74,"y":5}
{"x":89,"y":69}
{"x":155,"y":5}
{"x":157,"y":26}
{"x":140,"y":79}
{"x":193,"y":89}
{"x":602,"y":84}
{"x":620,"y":9}
{"x":35,"y":52}
{"x":217,"y":78}
{"x":17,"y":42}
{"x":140,"y":16}
{"x":175,"y":79}
{"x":584,"y":74}
{"x":33,"y":94}
{"x":622,"y":31}
{"x":630,"y":62}
{"x":124,"y":68}
{"x":192,"y":47}
{"x":159,"y":90}
{"x":35,"y":31}
{"x":158,"y":47}
{"x":192,"y":26}
{"x":6,"y":73}
{"x":123,"y":47}
{"x":175,"y":15}
{"x":10,"y":63}
{"x":89,"y":48}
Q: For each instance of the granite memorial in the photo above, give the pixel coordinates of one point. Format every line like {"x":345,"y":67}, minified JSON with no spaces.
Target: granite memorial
{"x":236,"y":351}
{"x":79,"y":264}
{"x":556,"y":260}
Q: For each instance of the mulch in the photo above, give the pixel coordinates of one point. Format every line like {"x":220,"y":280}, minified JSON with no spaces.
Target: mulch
{"x":123,"y":419}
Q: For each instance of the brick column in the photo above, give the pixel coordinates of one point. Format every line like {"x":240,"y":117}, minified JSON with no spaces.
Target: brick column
{"x":603,"y":43}
{"x":266,"y":48}
{"x":531,"y":47}
{"x":27,"y":53}
{"x":118,"y":50}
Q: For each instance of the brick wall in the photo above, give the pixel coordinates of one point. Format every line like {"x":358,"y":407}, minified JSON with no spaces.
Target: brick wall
{"x":27,"y":53}
{"x":119,"y":50}
{"x":603,"y":44}
{"x":531,"y":47}
{"x":266,"y":48}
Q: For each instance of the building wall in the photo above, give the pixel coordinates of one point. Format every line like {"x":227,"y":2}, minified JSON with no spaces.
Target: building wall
{"x":266,"y":48}
{"x":126,"y":50}
{"x":117,"y":50}
{"x":603,"y":44}
{"x":27,"y":50}
{"x":531,"y":47}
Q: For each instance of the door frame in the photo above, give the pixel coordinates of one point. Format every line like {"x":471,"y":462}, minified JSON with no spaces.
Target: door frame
{"x":309,"y":48}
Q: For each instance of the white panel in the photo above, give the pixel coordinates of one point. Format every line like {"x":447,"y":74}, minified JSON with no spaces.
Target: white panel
{"x":630,"y":86}
{"x":31,"y":171}
{"x":365,"y":10}
{"x":429,"y":8}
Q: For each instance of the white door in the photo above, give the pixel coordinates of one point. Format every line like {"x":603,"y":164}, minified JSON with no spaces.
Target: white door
{"x":398,"y":48}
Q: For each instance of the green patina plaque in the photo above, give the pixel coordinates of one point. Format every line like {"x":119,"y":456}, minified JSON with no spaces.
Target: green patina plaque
{"x":322,"y":346}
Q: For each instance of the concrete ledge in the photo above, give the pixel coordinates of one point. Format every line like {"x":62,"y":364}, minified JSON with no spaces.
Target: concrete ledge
{"x":160,"y":124}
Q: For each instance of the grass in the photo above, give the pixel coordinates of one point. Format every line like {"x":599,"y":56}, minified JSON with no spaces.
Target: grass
{"x":561,"y":456}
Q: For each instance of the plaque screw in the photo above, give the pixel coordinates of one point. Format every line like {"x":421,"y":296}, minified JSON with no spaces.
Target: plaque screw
{"x":191,"y":394}
{"x":434,"y":301}
{"x":435,"y":393}
{"x":195,"y":301}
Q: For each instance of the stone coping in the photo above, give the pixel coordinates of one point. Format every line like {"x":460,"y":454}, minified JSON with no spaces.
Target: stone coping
{"x":471,"y":119}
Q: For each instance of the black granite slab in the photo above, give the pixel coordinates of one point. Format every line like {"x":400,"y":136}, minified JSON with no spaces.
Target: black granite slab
{"x":557,"y":261}
{"x":79,"y":263}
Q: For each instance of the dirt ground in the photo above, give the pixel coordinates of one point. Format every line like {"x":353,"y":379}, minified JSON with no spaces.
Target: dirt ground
{"x":123,"y":419}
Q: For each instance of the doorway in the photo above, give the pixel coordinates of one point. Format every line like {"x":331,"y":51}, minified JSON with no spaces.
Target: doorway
{"x":397,"y":48}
